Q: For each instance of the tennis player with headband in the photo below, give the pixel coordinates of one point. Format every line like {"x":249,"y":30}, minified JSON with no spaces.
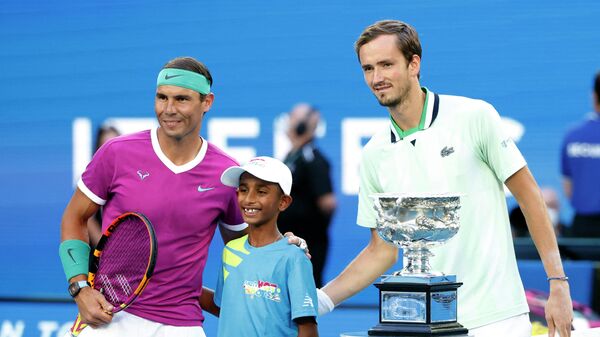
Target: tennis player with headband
{"x":171,"y":175}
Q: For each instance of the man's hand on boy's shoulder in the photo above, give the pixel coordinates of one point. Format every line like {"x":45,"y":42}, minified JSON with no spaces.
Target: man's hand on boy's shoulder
{"x":298,"y":241}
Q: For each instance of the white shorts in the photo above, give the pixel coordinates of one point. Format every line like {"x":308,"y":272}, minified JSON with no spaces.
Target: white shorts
{"x":126,"y":324}
{"x":517,"y":326}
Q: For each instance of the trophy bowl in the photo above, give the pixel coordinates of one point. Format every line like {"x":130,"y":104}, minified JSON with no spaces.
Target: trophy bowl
{"x":416,"y":223}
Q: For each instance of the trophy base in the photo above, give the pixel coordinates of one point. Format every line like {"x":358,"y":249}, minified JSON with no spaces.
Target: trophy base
{"x":418,"y":306}
{"x":418,"y":330}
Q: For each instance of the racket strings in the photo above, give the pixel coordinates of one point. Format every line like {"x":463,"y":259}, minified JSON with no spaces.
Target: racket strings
{"x":124,"y":261}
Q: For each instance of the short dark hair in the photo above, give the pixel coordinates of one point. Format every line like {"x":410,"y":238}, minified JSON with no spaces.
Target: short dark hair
{"x":190,"y":64}
{"x":407,"y":38}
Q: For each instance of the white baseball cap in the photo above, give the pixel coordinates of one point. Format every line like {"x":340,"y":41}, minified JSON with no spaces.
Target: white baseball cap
{"x":265,"y":168}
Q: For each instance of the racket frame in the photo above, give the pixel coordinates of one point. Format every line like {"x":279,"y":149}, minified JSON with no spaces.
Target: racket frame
{"x":95,"y":262}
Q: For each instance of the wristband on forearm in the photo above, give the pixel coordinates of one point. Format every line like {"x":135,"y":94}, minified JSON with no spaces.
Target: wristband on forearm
{"x":74,"y":256}
{"x":558,"y":278}
{"x":326,"y":305}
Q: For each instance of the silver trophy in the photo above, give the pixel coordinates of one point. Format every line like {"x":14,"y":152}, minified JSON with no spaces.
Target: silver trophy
{"x":417,"y":301}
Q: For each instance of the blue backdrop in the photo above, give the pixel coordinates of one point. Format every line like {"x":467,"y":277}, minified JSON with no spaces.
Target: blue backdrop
{"x":68,"y":61}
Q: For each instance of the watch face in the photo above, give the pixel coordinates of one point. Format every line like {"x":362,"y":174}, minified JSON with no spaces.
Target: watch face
{"x":74,"y":289}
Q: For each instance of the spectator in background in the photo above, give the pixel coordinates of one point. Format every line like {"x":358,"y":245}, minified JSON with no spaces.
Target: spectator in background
{"x":580,"y":165}
{"x":517,"y":219}
{"x":94,"y":224}
{"x":314,"y":201}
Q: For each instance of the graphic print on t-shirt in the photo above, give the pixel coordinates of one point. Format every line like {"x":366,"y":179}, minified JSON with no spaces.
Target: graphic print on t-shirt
{"x":267,"y":290}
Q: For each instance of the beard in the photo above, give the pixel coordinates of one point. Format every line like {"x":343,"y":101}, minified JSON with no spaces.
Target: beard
{"x":390,"y":100}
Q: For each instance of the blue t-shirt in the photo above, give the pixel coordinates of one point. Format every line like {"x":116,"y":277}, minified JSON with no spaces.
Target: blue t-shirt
{"x":262,"y":290}
{"x":580,"y":162}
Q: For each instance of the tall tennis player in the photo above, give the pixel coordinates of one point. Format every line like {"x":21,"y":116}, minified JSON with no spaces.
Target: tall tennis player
{"x":451,"y":144}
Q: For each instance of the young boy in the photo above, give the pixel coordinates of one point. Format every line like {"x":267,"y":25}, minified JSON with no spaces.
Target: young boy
{"x":266,"y":286}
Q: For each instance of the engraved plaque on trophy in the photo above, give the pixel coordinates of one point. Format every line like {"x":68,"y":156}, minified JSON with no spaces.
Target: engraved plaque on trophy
{"x":417,"y":301}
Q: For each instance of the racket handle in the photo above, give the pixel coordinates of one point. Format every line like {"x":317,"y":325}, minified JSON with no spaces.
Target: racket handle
{"x":77,"y":327}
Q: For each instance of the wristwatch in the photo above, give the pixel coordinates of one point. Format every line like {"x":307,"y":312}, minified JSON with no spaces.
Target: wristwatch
{"x":75,"y":287}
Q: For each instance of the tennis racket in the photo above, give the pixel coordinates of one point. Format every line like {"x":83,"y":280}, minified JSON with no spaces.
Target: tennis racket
{"x":123,"y":262}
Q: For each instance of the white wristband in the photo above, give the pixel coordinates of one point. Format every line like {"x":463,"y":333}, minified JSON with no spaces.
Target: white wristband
{"x":325,"y":303}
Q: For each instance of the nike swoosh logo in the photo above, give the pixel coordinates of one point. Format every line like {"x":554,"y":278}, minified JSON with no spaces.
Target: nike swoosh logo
{"x":201,"y":189}
{"x":71,"y":255}
{"x":167,"y":77}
